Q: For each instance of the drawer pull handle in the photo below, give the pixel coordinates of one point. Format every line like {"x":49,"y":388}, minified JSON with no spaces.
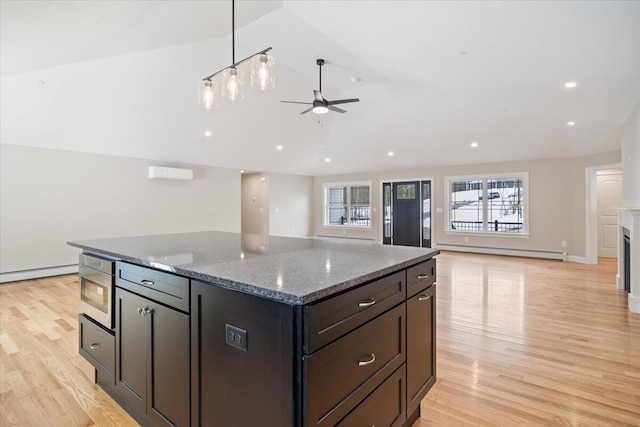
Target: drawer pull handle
{"x":139,"y":310}
{"x":423,"y":276}
{"x":367,"y":303}
{"x":95,"y":346}
{"x":372,"y":358}
{"x":147,"y":282}
{"x":424,"y":297}
{"x":146,"y":311}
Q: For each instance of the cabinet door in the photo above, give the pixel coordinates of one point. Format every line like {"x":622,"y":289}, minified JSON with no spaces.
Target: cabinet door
{"x":132,"y":337}
{"x":169,"y":382}
{"x":421,"y":340}
{"x":240,"y":380}
{"x":152,"y":358}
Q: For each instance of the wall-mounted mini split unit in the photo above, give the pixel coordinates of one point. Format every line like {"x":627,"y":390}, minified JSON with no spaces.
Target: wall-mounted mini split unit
{"x":160,"y":172}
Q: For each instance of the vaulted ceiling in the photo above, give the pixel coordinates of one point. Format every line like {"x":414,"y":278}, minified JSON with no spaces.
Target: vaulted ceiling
{"x":120,"y":78}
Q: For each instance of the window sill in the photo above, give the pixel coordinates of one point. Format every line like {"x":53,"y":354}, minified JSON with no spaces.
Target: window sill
{"x":487,"y":234}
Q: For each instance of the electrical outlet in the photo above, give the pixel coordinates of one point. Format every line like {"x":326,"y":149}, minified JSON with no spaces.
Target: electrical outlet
{"x":466,"y":238}
{"x":236,"y":337}
{"x":564,"y":243}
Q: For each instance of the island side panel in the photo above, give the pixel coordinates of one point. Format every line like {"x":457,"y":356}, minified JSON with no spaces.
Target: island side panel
{"x":242,"y":359}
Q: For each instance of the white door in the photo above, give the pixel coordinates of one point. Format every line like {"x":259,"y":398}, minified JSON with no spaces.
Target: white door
{"x":609,"y":197}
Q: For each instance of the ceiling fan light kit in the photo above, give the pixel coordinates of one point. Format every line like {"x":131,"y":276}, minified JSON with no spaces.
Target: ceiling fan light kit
{"x":262,"y":75}
{"x":320,"y":105}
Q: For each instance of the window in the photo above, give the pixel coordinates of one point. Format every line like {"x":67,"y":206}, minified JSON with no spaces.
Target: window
{"x":347,"y":205}
{"x":493,"y":204}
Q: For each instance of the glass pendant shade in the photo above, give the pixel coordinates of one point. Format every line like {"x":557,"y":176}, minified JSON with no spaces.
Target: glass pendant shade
{"x":263,"y":74}
{"x":233,"y":86}
{"x":208,"y":94}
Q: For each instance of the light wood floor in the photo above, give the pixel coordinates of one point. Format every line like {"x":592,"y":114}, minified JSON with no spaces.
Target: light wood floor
{"x":520,"y":343}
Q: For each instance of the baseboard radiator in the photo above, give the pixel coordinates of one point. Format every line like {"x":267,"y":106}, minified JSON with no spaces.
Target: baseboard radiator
{"x":346,"y":238}
{"x":504,"y":251}
{"x":36,"y":273}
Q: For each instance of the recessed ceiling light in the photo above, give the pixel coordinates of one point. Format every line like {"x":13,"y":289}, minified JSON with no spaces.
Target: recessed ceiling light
{"x":207,"y":133}
{"x":571,"y":123}
{"x":279,"y":147}
{"x":355,"y":79}
{"x":241,"y":170}
{"x":390,"y":153}
{"x":570,"y":85}
{"x":328,"y":160}
{"x":474,"y":144}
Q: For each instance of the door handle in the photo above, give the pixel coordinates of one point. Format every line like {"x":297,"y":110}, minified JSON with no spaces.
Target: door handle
{"x":146,"y":311}
{"x":423,"y":276}
{"x":95,"y":346}
{"x":424,"y":297}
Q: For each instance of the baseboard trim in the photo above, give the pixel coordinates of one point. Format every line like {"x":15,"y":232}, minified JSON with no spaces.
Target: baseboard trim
{"x":634,"y":303}
{"x":36,"y":273}
{"x":579,"y":259}
{"x":504,"y":251}
{"x":619,"y":282}
{"x":345,"y":238}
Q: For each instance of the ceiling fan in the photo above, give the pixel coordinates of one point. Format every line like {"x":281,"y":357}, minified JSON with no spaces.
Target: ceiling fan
{"x":320,"y":105}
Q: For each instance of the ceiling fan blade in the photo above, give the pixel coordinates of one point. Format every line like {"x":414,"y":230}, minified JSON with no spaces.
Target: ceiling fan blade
{"x":296,"y":102}
{"x":343,"y":101}
{"x":318,"y":96}
{"x":307,"y":110}
{"x":336,"y":109}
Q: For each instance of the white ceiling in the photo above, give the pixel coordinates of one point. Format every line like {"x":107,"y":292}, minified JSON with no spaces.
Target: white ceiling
{"x":120,"y":78}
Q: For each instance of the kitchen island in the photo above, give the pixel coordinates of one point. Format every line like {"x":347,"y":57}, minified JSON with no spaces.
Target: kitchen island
{"x":228,"y":329}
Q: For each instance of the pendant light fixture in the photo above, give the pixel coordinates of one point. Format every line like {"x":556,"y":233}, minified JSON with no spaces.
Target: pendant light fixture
{"x":262,"y":75}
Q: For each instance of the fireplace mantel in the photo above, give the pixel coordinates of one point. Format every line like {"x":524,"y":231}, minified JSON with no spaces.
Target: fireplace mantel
{"x":629,"y":218}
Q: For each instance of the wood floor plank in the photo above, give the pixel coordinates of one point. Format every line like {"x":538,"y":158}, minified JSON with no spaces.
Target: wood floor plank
{"x":533,"y":342}
{"x":520,"y":342}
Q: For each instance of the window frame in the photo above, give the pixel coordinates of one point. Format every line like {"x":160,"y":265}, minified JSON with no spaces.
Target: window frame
{"x":523,"y":176}
{"x":349,"y":184}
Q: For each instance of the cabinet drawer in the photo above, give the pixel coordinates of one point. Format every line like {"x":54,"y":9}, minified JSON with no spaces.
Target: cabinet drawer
{"x":335,"y":317}
{"x":166,"y":288}
{"x":343,"y":373}
{"x":97,"y":345}
{"x":420,"y":276}
{"x":385,"y":407}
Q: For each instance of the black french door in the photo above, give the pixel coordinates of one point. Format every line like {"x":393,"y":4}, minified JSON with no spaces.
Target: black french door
{"x":407,"y":213}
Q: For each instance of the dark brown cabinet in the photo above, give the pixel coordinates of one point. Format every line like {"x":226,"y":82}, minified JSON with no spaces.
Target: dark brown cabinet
{"x":421,"y":349}
{"x":152,"y":359}
{"x":243,"y":359}
{"x":97,"y":346}
{"x":386,"y":406}
{"x":189,"y":353}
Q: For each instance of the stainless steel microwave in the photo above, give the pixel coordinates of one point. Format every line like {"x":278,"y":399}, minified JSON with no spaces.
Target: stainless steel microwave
{"x":95,"y":283}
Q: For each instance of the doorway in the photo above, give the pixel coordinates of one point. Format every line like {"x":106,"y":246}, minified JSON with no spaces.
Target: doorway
{"x":407,"y":213}
{"x":609,"y":193}
{"x":592,"y":201}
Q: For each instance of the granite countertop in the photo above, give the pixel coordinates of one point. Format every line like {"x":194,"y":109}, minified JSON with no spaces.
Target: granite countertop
{"x":286,"y":269}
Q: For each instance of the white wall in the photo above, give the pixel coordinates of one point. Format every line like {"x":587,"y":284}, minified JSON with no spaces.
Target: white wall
{"x":277,"y":204}
{"x":631,"y":160}
{"x":49,"y":197}
{"x":290,"y":205}
{"x":556,"y":202}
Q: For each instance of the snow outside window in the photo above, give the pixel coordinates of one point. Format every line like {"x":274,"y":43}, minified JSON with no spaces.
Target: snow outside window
{"x":494,"y":204}
{"x":347,"y":205}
